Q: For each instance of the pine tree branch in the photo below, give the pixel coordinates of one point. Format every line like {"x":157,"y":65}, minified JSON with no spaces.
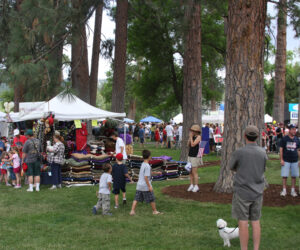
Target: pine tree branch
{"x":60,"y":41}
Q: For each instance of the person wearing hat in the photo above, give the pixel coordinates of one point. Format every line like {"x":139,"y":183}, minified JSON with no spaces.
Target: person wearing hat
{"x":193,"y":144}
{"x":249,"y":165}
{"x":119,"y":175}
{"x":31,"y":157}
{"x":289,"y":155}
{"x":19,"y":140}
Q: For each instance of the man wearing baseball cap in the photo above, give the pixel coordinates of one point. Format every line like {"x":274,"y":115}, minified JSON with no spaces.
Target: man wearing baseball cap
{"x":289,"y":154}
{"x":249,"y":163}
{"x":31,"y":157}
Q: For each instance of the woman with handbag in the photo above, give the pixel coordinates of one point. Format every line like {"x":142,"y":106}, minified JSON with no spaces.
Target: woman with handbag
{"x":193,"y":144}
{"x":56,"y":160}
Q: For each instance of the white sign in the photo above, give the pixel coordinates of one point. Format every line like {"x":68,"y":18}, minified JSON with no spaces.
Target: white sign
{"x":294,"y":115}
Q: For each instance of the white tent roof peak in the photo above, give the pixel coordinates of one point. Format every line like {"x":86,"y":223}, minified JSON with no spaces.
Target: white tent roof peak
{"x":67,"y":108}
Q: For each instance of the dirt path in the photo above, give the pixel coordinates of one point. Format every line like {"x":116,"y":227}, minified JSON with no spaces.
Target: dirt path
{"x":272,"y":196}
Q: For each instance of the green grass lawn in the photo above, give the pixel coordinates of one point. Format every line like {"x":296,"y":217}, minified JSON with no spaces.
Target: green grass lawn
{"x":62,"y":219}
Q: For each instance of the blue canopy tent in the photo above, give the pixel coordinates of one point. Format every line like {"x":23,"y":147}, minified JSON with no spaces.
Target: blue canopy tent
{"x":127,"y":120}
{"x":151,"y":119}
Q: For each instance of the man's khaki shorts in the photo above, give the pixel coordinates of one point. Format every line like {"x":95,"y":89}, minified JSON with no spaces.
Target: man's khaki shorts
{"x":246,"y":210}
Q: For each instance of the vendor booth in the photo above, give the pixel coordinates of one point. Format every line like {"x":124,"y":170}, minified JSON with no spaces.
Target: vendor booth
{"x":67,"y":115}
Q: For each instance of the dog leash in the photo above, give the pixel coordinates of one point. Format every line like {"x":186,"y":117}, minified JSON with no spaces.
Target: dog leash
{"x":231,"y":231}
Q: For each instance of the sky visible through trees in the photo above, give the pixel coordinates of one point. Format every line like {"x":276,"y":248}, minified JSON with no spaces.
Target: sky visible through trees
{"x":108,"y":27}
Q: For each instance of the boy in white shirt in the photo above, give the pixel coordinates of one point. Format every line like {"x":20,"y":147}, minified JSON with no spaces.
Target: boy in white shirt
{"x":104,"y":191}
{"x":144,"y":190}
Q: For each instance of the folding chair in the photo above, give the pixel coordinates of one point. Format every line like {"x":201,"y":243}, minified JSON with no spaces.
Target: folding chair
{"x":218,"y":140}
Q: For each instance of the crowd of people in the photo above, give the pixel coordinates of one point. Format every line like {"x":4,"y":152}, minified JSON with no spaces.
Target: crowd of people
{"x":249,"y":163}
{"x":23,"y":158}
{"x":165,"y":135}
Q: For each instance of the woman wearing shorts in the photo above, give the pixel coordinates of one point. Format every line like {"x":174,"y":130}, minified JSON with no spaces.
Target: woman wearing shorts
{"x":193,"y":144}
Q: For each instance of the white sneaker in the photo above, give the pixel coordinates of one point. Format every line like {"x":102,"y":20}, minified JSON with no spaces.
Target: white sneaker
{"x":195,"y":189}
{"x":29,"y":190}
{"x":283,"y":193}
{"x":293,"y":193}
{"x":59,"y":186}
{"x":52,"y":188}
{"x":190,"y":188}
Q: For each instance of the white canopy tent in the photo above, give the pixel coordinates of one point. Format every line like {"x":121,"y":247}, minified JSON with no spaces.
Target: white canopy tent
{"x":212,"y":118}
{"x":2,"y":116}
{"x":268,"y":118}
{"x":65,"y":108}
{"x":178,"y":118}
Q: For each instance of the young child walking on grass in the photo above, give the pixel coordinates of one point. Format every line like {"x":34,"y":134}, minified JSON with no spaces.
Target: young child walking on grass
{"x":14,"y":157}
{"x":119,"y":174}
{"x":104,"y":191}
{"x":5,"y":165}
{"x":144,"y":190}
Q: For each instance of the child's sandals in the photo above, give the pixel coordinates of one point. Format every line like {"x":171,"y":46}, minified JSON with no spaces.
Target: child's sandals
{"x":157,"y":212}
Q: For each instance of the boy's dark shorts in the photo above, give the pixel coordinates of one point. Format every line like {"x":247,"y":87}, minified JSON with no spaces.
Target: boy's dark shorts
{"x":116,"y":190}
{"x":246,"y":210}
{"x":144,"y":196}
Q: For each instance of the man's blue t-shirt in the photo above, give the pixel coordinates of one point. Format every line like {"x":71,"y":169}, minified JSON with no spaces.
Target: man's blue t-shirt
{"x":141,"y":133}
{"x":290,"y":148}
{"x":2,"y":145}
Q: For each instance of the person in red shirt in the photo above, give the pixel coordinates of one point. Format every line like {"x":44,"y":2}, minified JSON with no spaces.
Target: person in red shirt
{"x":19,"y":140}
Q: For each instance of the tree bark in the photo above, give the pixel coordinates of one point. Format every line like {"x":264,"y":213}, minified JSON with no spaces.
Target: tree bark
{"x":244,"y":97}
{"x":79,"y":65}
{"x":213,"y":104}
{"x":119,"y":78}
{"x":280,"y":63}
{"x":18,"y":96}
{"x":18,"y":88}
{"x":132,"y":109}
{"x":95,"y":55}
{"x":192,"y":85}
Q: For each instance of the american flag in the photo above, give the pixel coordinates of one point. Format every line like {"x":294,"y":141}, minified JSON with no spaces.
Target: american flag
{"x":201,"y":148}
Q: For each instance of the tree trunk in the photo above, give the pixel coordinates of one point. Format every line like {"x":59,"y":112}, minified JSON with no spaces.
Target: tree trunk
{"x":213,"y":104}
{"x":280,"y":63}
{"x":95,"y":55}
{"x":79,"y":65}
{"x":18,"y":96}
{"x":192,"y":88}
{"x":244,"y":97}
{"x":18,"y":88}
{"x":132,"y":109}
{"x":119,"y":78}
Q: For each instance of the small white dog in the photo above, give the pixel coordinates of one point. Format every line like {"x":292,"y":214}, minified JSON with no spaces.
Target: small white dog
{"x":227,"y":233}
